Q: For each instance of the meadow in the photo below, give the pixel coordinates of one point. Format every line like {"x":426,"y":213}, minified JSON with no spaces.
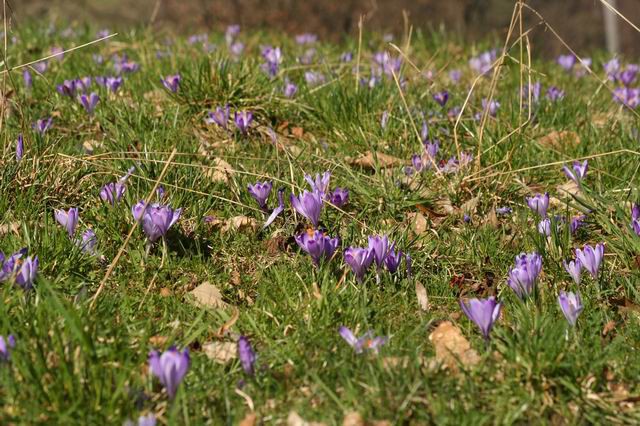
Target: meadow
{"x":252,"y":228}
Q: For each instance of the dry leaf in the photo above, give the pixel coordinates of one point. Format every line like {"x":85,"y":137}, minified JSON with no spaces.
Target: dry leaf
{"x":608,"y":328}
{"x":560,"y":139}
{"x":452,"y":348}
{"x":165,"y":292}
{"x":220,"y":171}
{"x":492,"y":219}
{"x":421,"y":294}
{"x":569,"y":188}
{"x":89,"y":146}
{"x":158,"y":341}
{"x":294,"y":419}
{"x":221,"y":352}
{"x":370,"y":160}
{"x":208,"y":295}
{"x":240,"y":223}
{"x":353,"y":418}
{"x":10,"y":228}
{"x":298,"y":132}
{"x":445,"y":207}
{"x":249,"y":419}
{"x":418,"y":223}
{"x":227,"y":325}
{"x":469,"y":207}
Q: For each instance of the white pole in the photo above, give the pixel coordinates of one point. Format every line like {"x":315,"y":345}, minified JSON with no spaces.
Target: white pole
{"x":611,"y":30}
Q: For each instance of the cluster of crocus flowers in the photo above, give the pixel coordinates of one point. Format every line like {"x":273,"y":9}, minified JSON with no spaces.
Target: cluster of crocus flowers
{"x":170,"y":367}
{"x":273,"y":59}
{"x":171,"y":82}
{"x":366,"y":343}
{"x":317,"y":245}
{"x":381,"y":251}
{"x":69,"y":221}
{"x":19,"y":268}
{"x":113,"y":192}
{"x":247,"y":355}
{"x":221,"y":115}
{"x":483,"y":312}
{"x":426,"y":160}
{"x":591,"y":258}
{"x":260,"y":192}
{"x":111,"y":83}
{"x":524,"y":275}
{"x":483,"y":62}
{"x":6,"y":345}
{"x":155,"y":219}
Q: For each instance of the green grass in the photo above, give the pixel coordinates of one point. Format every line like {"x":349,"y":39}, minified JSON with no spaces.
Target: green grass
{"x":74,"y":364}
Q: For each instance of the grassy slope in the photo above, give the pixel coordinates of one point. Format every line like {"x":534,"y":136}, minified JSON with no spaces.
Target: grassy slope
{"x":76,"y":365}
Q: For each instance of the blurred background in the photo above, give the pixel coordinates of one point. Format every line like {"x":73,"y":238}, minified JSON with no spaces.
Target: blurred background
{"x":579,"y":22}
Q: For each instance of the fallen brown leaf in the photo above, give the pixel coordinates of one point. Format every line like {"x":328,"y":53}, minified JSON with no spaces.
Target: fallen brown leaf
{"x":248,"y":420}
{"x":452,"y":348}
{"x":165,"y":292}
{"x":421,"y":294}
{"x":568,"y":188}
{"x":220,"y":171}
{"x":370,"y":160}
{"x":560,"y":139}
{"x":353,"y":418}
{"x":221,"y":352}
{"x":240,"y":223}
{"x":208,"y":295}
{"x":227,"y":325}
{"x":158,"y":341}
{"x":298,"y":132}
{"x":294,"y":419}
{"x":418,"y":223}
{"x":10,"y":228}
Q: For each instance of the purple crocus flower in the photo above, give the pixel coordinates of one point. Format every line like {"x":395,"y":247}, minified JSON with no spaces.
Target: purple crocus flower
{"x":339,"y":197}
{"x":611,"y":68}
{"x":171,"y":82}
{"x":68,"y":219}
{"x":578,"y":173}
{"x":112,"y":192}
{"x":220,"y":117}
{"x":483,"y":312}
{"x":491,"y":105}
{"x":306,"y":38}
{"x":574,"y":269}
{"x":27,"y":78}
{"x":566,"y":61}
{"x":314,"y":78}
{"x":359,"y":259}
{"x":67,"y":88}
{"x":441,"y":97}
{"x":576,"y":222}
{"x":539,"y":204}
{"x":40,"y":67}
{"x":384,"y":119}
{"x":483,"y":63}
{"x":318,"y":245}
{"x":155,"y":219}
{"x":290,"y":89}
{"x":19,"y":147}
{"x":503,"y":211}
{"x":88,"y":242}
{"x":277,"y":210}
{"x":635,"y":218}
{"x":628,"y":76}
{"x":321,"y":182}
{"x":627,"y":96}
{"x":57,"y":52}
{"x":89,"y":102}
{"x":236,"y":48}
{"x":247,"y":355}
{"x":416,"y":162}
{"x":26,"y":272}
{"x":393,"y":259}
{"x":532,"y":90}
{"x":424,"y":132}
{"x":113,"y":83}
{"x":365,"y":343}
{"x":379,"y":245}
{"x":523,"y":276}
{"x":273,"y":58}
{"x":455,"y":76}
{"x":309,"y":205}
{"x":231,"y":33}
{"x":5,"y":347}
{"x":544,"y":227}
{"x":9,"y":266}
{"x":170,"y":368}
{"x":554,"y":94}
{"x":148,"y":420}
{"x":346,"y":57}
{"x":243,"y":120}
{"x":571,"y":306}
{"x":83,"y":83}
{"x":260,"y":192}
{"x":42,"y":125}
{"x":591,"y":258}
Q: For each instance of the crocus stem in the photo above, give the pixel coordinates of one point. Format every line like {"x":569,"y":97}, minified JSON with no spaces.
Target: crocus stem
{"x":164,"y":252}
